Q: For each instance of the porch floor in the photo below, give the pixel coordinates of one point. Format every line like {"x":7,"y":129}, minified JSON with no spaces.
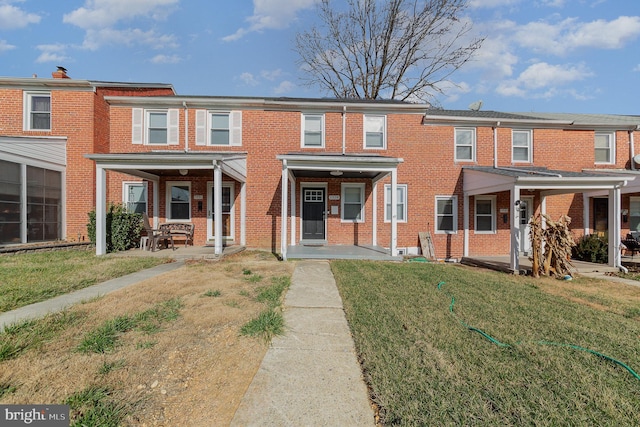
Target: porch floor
{"x":368,"y":252}
{"x":502,"y":263}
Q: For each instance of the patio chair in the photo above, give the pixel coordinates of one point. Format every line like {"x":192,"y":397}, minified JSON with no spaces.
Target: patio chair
{"x":631,"y":245}
{"x":154,"y":235}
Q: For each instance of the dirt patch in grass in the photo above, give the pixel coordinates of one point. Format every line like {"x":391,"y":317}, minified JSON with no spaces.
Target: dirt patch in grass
{"x":193,"y":370}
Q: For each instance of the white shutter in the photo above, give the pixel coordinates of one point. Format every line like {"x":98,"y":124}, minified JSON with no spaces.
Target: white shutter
{"x":137,"y":128}
{"x":201,"y":127}
{"x":235,"y":125}
{"x":173,"y":126}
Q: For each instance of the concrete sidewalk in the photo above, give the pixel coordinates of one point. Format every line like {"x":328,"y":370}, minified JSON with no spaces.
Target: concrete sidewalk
{"x":61,"y":302}
{"x":310,"y":376}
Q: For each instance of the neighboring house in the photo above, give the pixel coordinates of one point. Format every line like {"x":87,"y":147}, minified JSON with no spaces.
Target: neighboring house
{"x":274,"y":173}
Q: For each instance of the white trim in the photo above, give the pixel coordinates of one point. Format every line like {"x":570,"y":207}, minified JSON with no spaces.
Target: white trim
{"x":125,"y":195}
{"x":493,"y":215}
{"x":303,"y":122}
{"x":170,"y":184}
{"x":26,"y":111}
{"x":405,"y":208}
{"x":344,"y":186}
{"x":384,"y":131}
{"x":611,"y":148}
{"x":473,"y":143}
{"x":454,"y":214}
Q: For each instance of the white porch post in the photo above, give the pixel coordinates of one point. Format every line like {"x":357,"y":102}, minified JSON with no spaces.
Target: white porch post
{"x":101,"y":211}
{"x":585,"y":213}
{"x":515,"y":230}
{"x":293,"y":211}
{"x":243,"y":213}
{"x":465,"y":224}
{"x":283,"y":216}
{"x":374,"y":215}
{"x":217,"y":207}
{"x":614,"y":227}
{"x":394,"y":212}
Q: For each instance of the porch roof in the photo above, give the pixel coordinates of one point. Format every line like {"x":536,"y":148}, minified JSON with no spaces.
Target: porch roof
{"x":335,"y":165}
{"x":488,"y":179}
{"x":151,"y":165}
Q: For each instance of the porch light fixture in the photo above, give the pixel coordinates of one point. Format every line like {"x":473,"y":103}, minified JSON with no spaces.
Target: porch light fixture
{"x":335,"y":173}
{"x":183,"y":172}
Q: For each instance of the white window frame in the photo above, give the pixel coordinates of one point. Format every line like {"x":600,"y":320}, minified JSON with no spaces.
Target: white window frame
{"x":365,"y":132}
{"x":147,"y":127}
{"x":611,"y":149}
{"x":27,"y":123}
{"x":303,"y":139}
{"x":125,"y":193}
{"x":344,"y":186}
{"x":634,"y":213}
{"x":454,"y":214}
{"x":402,"y":200}
{"x":529,"y":146}
{"x":170,"y":185}
{"x":492,"y":214}
{"x":472,"y":144}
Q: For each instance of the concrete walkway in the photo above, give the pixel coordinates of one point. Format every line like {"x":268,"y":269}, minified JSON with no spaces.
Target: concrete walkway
{"x":61,"y":302}
{"x":310,"y":376}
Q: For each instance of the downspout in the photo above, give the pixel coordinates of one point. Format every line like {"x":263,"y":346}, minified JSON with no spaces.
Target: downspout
{"x":495,"y":145}
{"x":186,"y":127}
{"x":344,"y":129}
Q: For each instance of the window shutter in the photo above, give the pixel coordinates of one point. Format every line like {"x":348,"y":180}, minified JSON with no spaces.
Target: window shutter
{"x":235,"y":126}
{"x":136,"y":125}
{"x":201,"y":127}
{"x":173,"y":128}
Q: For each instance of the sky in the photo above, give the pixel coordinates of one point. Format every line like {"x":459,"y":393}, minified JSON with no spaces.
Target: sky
{"x":573,"y":56}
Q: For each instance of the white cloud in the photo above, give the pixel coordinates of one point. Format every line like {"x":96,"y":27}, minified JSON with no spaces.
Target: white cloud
{"x":166,"y":59}
{"x":495,"y":58}
{"x":489,"y":4}
{"x":570,"y":34}
{"x":104,"y":22}
{"x":271,"y":15}
{"x":284,"y":87}
{"x":12,"y":17}
{"x":248,"y":79}
{"x":52,"y":53}
{"x":543,"y":80}
{"x":106,"y":13}
{"x":271,"y":75}
{"x":4,"y":46}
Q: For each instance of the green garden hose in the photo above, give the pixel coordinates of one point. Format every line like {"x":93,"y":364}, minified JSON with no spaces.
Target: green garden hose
{"x":501,"y":344}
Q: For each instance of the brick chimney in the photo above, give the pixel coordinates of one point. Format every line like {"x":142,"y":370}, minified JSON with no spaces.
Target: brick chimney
{"x":60,"y":73}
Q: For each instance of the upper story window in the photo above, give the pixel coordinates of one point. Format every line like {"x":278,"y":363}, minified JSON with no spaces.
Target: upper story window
{"x":375,"y":131}
{"x":353,"y":202}
{"x":220,"y":128}
{"x":446,"y":214}
{"x":521,"y":147}
{"x":465,"y":144}
{"x":401,"y":202}
{"x":313,"y":130}
{"x":605,"y":147}
{"x":155,"y":127}
{"x":37,"y":111}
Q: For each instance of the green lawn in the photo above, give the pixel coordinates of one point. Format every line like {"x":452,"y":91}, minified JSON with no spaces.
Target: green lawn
{"x":33,"y":277}
{"x":425,"y":367}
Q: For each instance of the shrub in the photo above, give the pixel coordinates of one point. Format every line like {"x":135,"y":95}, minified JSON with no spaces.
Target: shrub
{"x":123,"y":228}
{"x":592,"y":248}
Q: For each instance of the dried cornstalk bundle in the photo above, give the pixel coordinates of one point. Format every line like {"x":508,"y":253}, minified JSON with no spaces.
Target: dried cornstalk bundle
{"x":558,"y":242}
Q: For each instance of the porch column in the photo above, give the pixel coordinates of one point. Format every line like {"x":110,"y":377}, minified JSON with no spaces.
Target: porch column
{"x":217,"y":207}
{"x":515,"y":229}
{"x":283,"y":216}
{"x":374,"y":216}
{"x":293,"y":210}
{"x":101,"y":211}
{"x":585,"y":213}
{"x":394,"y":212}
{"x":614,"y":227}
{"x":465,"y":224}
{"x":243,"y":213}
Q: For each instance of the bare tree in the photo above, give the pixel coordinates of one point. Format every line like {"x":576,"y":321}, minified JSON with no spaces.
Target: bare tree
{"x":393,"y":49}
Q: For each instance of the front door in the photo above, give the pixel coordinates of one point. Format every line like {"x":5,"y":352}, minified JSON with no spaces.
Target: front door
{"x":227,"y":211}
{"x":526,"y":211}
{"x":313,"y":214}
{"x":600,"y":216}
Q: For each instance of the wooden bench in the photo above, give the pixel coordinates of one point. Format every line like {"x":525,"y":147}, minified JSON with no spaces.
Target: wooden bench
{"x":179,"y":230}
{"x":631,"y":245}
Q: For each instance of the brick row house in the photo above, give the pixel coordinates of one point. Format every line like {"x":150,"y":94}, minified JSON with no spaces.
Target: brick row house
{"x":281,"y":173}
